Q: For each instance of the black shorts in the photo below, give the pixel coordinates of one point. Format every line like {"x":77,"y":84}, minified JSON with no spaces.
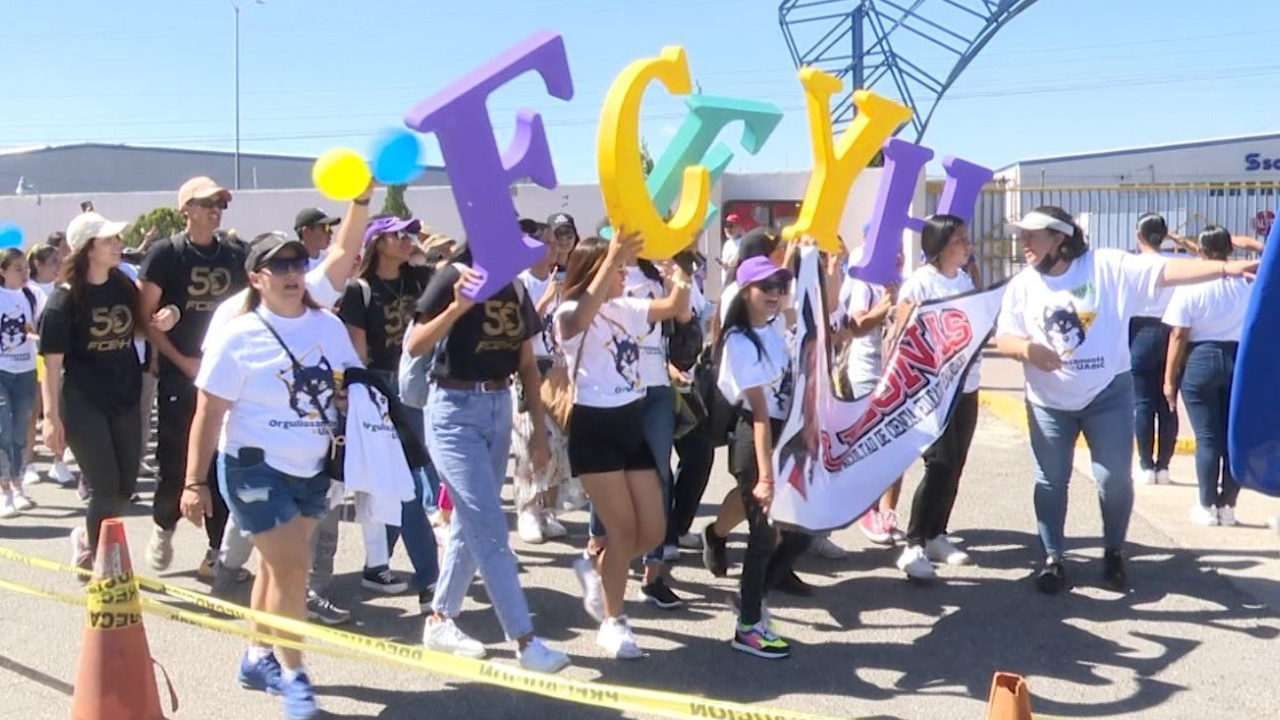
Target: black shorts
{"x":608,"y":439}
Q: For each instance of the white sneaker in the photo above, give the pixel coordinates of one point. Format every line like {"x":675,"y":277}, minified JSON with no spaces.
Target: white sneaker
{"x":1206,"y":516}
{"x":160,"y":550}
{"x":551,"y":527}
{"x":616,"y":638}
{"x":1145,"y":477}
{"x":914,"y":563}
{"x":690,"y":541}
{"x":536,"y":656}
{"x":7,"y":508}
{"x":592,"y":589}
{"x":30,"y":476}
{"x":21,"y":502}
{"x":1227,"y":516}
{"x":61,"y":474}
{"x":82,"y":489}
{"x":1162,"y":478}
{"x":942,"y":550}
{"x":529,"y":527}
{"x":444,"y":636}
{"x":823,"y":547}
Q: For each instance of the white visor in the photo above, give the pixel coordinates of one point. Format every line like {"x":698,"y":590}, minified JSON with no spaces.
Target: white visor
{"x":1040,"y":221}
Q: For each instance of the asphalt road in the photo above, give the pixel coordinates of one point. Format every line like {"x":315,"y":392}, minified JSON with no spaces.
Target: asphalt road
{"x":1194,"y":637}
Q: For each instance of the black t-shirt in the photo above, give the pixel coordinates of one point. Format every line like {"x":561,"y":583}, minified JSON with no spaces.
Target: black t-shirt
{"x":197,"y":280}
{"x":485,"y":342}
{"x":96,"y":342}
{"x":389,"y":312}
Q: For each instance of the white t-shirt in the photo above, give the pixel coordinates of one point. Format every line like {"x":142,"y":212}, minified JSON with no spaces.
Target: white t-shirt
{"x":857,"y":296}
{"x":743,"y":367}
{"x":729,"y":258}
{"x":41,"y":291}
{"x":928,"y":283}
{"x":1083,"y":315}
{"x":1155,"y":307}
{"x":608,"y":372}
{"x":653,"y":347}
{"x":544,"y":345}
{"x":1213,"y":310}
{"x":17,"y":324}
{"x":272,"y":408}
{"x":318,"y":285}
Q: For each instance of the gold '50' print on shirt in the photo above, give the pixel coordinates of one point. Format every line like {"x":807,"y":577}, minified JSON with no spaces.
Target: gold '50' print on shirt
{"x":503,"y":326}
{"x":395,"y":318}
{"x":110,"y":328}
{"x":206,"y":288}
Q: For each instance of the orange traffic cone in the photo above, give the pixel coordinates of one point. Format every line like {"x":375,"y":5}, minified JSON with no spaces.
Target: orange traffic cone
{"x":1010,"y":699}
{"x":115,"y":680}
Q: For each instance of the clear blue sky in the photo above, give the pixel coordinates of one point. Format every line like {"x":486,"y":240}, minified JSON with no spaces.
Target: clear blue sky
{"x":1067,"y":75}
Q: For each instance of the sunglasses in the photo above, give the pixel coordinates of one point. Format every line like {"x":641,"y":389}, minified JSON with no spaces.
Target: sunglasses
{"x":284,"y":266}
{"x":210,"y":203}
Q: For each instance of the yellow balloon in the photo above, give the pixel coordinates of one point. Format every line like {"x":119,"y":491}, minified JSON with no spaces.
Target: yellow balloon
{"x":622,"y":180}
{"x":341,"y":174}
{"x":836,"y":164}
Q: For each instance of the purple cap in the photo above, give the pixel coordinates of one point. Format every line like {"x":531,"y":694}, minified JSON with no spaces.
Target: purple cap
{"x":390,"y":225}
{"x":757,"y":269}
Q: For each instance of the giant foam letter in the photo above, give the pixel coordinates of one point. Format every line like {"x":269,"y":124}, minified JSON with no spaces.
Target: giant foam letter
{"x":622,"y":181}
{"x":903,"y":162}
{"x":836,"y":164}
{"x":692,"y":143}
{"x":480,"y":177}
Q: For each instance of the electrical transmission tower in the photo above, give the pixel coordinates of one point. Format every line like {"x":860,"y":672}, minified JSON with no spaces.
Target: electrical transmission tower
{"x":909,"y":50}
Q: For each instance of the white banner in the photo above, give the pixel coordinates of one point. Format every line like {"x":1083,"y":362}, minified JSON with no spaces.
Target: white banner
{"x":835,"y":457}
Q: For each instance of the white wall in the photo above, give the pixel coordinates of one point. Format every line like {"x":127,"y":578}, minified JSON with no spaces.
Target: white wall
{"x":1224,"y":161}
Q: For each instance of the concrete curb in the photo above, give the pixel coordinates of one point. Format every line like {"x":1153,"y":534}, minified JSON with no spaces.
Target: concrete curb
{"x":1014,"y":412}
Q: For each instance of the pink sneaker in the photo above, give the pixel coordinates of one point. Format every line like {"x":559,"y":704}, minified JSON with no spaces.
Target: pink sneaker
{"x":896,"y":533}
{"x":873,"y":526}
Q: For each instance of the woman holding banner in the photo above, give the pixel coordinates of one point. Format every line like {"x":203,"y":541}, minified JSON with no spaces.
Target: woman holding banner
{"x":1065,"y":317}
{"x":947,"y":248}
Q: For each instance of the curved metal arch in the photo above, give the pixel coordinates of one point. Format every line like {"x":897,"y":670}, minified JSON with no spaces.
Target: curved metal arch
{"x":872,"y":43}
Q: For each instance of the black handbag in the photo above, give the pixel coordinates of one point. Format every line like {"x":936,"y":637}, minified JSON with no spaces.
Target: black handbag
{"x":684,"y":343}
{"x":719,"y":413}
{"x":335,"y":459}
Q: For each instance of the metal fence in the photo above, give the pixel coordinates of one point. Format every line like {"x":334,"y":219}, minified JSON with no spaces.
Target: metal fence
{"x":1109,"y":214}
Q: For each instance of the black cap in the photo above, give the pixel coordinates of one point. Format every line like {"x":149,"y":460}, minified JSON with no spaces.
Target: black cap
{"x":560,"y":220}
{"x":313,"y":216}
{"x":756,"y":243}
{"x":268,"y":245}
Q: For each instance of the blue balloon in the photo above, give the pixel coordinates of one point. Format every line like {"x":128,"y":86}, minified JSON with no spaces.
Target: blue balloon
{"x":395,"y":157}
{"x":10,"y":235}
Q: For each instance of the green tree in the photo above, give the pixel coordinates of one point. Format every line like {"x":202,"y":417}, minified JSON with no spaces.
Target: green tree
{"x":160,"y":223}
{"x":646,"y":158}
{"x":395,"y":204}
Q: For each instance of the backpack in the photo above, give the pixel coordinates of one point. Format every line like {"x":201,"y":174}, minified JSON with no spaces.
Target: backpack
{"x":414,"y":373}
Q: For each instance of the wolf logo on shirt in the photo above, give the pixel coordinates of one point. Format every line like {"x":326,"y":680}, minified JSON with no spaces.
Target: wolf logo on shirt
{"x":626,"y":358}
{"x":310,"y":387}
{"x":1065,"y":330}
{"x":13,"y":331}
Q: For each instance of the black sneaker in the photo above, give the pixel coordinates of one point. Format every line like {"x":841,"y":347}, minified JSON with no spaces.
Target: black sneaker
{"x":659,"y":594}
{"x":1052,"y":578}
{"x":1113,"y":573}
{"x":790,"y":584}
{"x":715,"y":554}
{"x":382,"y":580}
{"x":320,"y":609}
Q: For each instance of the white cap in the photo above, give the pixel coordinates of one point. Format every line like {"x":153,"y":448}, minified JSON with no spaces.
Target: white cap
{"x":1041,"y":221}
{"x":87,"y":226}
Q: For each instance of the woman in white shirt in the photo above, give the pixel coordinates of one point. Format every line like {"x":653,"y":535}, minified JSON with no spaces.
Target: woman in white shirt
{"x":1065,"y":317}
{"x":43,"y":263}
{"x":268,"y":386}
{"x":947,"y":247}
{"x":600,"y":332}
{"x":1155,"y":424}
{"x":17,"y":377}
{"x":1206,"y":321}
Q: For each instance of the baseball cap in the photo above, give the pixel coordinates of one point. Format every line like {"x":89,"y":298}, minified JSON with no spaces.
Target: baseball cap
{"x":267,"y":245}
{"x":1040,"y":221}
{"x":200,"y":187}
{"x":87,"y":226}
{"x":757,"y":269}
{"x":313,"y":216}
{"x":559,"y":220}
{"x":390,"y":224}
{"x":732,"y":219}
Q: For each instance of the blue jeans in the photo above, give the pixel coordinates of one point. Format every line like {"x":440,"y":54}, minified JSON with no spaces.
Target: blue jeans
{"x":1206,"y":389}
{"x":1107,"y":424}
{"x":470,"y":436}
{"x":1148,"y":345}
{"x":262,"y":498}
{"x":17,"y":399}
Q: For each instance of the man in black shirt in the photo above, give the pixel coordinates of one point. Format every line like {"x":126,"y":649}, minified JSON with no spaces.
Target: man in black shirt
{"x":194,"y":270}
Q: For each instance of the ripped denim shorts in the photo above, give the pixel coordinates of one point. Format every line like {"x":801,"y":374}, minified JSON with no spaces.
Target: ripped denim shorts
{"x":262,"y":498}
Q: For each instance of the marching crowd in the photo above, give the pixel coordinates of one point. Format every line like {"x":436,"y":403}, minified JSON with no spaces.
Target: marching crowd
{"x":592,"y":369}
